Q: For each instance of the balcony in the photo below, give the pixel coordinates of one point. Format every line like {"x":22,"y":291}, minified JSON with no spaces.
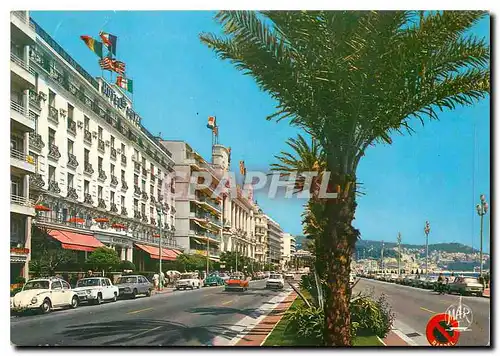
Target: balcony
{"x":113,"y":208}
{"x":112,"y":153}
{"x":54,"y":187}
{"x":20,"y":72}
{"x":72,"y":193}
{"x":54,"y":153}
{"x":19,"y":114}
{"x":124,"y":186}
{"x":137,"y":167}
{"x":100,"y":145}
{"x":34,"y":100}
{"x":152,"y":199}
{"x":137,"y":190}
{"x":202,"y":199}
{"x":144,"y":195}
{"x":36,"y":181}
{"x":124,"y":211}
{"x":153,"y":177}
{"x":152,"y":221}
{"x":137,"y":214}
{"x":144,"y":217}
{"x":87,"y":169}
{"x":102,"y":175}
{"x":124,"y":159}
{"x":101,"y":203}
{"x":21,"y":161}
{"x":72,"y":162}
{"x":87,"y":136}
{"x":36,"y":142}
{"x":144,"y":172}
{"x":71,"y":126}
{"x":87,"y":199}
{"x":205,"y":234}
{"x":21,"y":27}
{"x":53,"y":115}
{"x":114,"y":180}
{"x":21,"y":205}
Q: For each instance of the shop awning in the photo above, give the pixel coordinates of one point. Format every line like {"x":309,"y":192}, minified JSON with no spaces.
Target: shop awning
{"x":75,"y":241}
{"x":154,"y":252}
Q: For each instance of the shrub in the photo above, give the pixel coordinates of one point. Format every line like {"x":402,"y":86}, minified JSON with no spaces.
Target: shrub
{"x":20,"y":279}
{"x":126,"y":265}
{"x":369,"y":316}
{"x":307,"y":323}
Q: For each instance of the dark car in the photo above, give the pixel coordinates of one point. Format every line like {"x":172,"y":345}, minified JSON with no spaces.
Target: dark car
{"x":133,"y":285}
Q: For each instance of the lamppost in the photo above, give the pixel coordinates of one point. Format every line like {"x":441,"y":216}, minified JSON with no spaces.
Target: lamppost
{"x":427,"y":229}
{"x":382,"y":257}
{"x":159,"y":210}
{"x":399,"y":253}
{"x":482,"y":209}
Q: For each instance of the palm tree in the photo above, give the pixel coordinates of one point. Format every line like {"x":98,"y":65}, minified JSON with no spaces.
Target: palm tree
{"x":351,"y":79}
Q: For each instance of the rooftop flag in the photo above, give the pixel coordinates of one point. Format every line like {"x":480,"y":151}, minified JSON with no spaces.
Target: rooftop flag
{"x":110,"y":41}
{"x":94,"y":45}
{"x":125,"y":83}
{"x":211,"y":122}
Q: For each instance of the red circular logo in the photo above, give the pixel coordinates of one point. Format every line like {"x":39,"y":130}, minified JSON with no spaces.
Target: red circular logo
{"x":441,"y":330}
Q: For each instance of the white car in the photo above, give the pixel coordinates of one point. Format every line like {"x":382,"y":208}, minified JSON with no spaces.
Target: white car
{"x":95,"y":290}
{"x":275,"y":281}
{"x":44,"y":294}
{"x":352,"y":278}
{"x":188,"y":280}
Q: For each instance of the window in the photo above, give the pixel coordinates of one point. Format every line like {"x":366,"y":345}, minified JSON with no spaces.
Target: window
{"x":99,"y":132}
{"x":52,"y":173}
{"x":70,"y":180}
{"x":143,"y":188}
{"x":52,"y":98}
{"x":70,"y":146}
{"x":86,"y":154}
{"x":99,"y":163}
{"x":136,"y":204}
{"x":123,"y":149}
{"x":65,"y":285}
{"x":52,"y":137}
{"x":86,"y":124}
{"x":112,"y":139}
{"x":99,"y":192}
{"x":123,"y":201}
{"x":112,"y":169}
{"x":136,"y":179}
{"x":123,"y":175}
{"x":136,"y":155}
{"x":86,"y":185}
{"x":143,"y":209}
{"x":56,"y":285}
{"x":112,"y":197}
{"x":152,"y":168}
{"x":71,"y":110}
{"x":15,"y":185}
{"x":159,"y":173}
{"x":159,"y":194}
{"x":151,"y":189}
{"x":144,"y":162}
{"x":151,"y":212}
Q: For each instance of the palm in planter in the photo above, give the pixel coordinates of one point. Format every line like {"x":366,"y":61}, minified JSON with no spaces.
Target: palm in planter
{"x":351,"y":79}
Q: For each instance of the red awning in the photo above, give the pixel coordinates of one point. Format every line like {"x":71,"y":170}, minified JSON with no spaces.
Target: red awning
{"x":154,"y":252}
{"x":74,"y":241}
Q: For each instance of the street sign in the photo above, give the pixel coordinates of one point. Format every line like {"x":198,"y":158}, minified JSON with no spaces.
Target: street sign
{"x":441,"y":330}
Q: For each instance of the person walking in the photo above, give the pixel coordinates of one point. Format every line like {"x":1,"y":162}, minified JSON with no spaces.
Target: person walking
{"x":156,"y":278}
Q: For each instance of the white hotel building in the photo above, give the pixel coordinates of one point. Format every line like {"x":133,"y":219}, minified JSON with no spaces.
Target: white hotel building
{"x":95,"y":173}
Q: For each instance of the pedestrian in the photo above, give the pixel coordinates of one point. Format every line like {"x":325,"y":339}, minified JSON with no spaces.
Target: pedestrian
{"x":89,"y":273}
{"x":155,"y":280}
{"x":162,"y":279}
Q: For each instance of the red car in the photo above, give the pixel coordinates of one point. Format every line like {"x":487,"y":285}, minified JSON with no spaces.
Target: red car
{"x":237,"y":281}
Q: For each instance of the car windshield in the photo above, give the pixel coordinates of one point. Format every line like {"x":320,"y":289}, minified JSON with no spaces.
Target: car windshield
{"x":236,"y":276}
{"x":470,"y":280}
{"x":127,"y":280}
{"x":186,"y":276}
{"x":36,"y":285}
{"x":275,"y":276}
{"x":88,"y":282}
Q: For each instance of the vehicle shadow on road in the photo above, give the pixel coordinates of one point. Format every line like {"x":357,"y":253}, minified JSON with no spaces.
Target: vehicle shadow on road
{"x":156,"y":332}
{"x":254,"y":313}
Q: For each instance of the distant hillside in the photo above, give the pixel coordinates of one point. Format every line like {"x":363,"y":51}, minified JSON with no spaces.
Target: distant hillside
{"x":376,"y":246}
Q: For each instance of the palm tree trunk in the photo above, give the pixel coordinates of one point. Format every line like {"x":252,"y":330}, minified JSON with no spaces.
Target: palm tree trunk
{"x":337,"y":245}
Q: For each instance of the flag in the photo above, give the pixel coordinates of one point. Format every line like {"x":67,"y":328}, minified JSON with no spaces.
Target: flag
{"x":125,"y":83}
{"x":119,"y":67}
{"x":109,"y":40}
{"x":95,"y":46}
{"x":106,"y":63}
{"x":243,"y":170}
{"x":211,"y":122}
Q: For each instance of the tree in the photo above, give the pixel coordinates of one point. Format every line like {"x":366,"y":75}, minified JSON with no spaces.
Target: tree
{"x":191,"y":263}
{"x":351,"y":80}
{"x":126,"y":265}
{"x":229,"y":259}
{"x":47,"y":255}
{"x":104,"y":259}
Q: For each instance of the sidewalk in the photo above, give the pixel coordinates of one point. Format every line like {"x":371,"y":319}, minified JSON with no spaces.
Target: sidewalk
{"x":163,"y":291}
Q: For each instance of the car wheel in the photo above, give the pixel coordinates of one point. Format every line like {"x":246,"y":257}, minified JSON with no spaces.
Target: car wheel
{"x":74,"y":302}
{"x":115,"y":298}
{"x":134,"y":293}
{"x":461,"y":292}
{"x":148,"y":293}
{"x":99,"y":299}
{"x":198,"y":286}
{"x":46,"y":306}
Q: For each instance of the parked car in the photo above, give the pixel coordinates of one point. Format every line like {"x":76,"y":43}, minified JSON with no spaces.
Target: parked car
{"x":133,"y":285}
{"x":419,"y":281}
{"x":188,"y":281}
{"x":237,"y":281}
{"x":430,"y":282}
{"x":289,"y":276}
{"x":275,"y":281}
{"x":465,"y":286}
{"x":408,"y":280}
{"x":95,"y":290}
{"x":352,"y":278}
{"x":44,"y":294}
{"x":213,"y":280}
{"x":392,"y":278}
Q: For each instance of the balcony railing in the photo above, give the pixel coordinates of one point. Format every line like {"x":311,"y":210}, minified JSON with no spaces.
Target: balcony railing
{"x":124,"y":211}
{"x":35,"y":99}
{"x":20,"y":62}
{"x":36,"y":141}
{"x":124,"y":185}
{"x":88,"y":168}
{"x":101,"y":203}
{"x":144,"y":195}
{"x":87,"y":136}
{"x":114,"y":180}
{"x":72,"y":193}
{"x":54,"y":152}
{"x":144,"y":172}
{"x":100,"y":145}
{"x":72,"y":161}
{"x":102,"y":175}
{"x":36,"y":181}
{"x":20,"y":200}
{"x":208,"y":201}
{"x":152,"y":199}
{"x":124,"y":159}
{"x":71,"y":126}
{"x":20,"y":109}
{"x":137,"y":214}
{"x":87,"y":199}
{"x":54,"y":187}
{"x":112,"y":153}
{"x":206,"y":234}
{"x":21,"y":156}
{"x":113,"y":208}
{"x":137,"y":167}
{"x":53,"y":115}
{"x":137,"y":190}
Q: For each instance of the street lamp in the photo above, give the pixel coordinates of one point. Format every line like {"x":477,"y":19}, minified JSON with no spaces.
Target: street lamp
{"x":427,"y":229}
{"x":482,"y":209}
{"x":399,"y":253}
{"x":159,"y":210}
{"x":382,"y":257}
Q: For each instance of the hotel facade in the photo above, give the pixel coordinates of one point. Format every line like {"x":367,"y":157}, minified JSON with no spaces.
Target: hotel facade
{"x":83,"y":168}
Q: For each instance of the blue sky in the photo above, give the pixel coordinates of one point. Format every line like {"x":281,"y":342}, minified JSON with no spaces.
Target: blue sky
{"x":437,"y":174}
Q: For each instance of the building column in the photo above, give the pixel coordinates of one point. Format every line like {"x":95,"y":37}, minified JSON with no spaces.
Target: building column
{"x":130,"y":254}
{"x":27,"y":244}
{"x":123,"y":254}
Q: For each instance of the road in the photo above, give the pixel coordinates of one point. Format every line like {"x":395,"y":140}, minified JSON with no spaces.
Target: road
{"x":414,"y":307}
{"x":187,"y":318}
